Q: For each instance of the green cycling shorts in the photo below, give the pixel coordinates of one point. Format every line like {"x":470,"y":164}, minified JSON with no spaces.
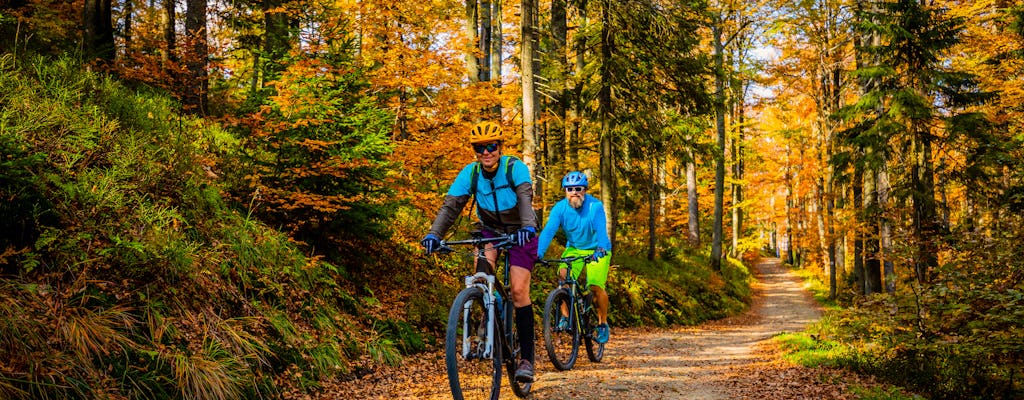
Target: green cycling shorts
{"x":597,"y":271}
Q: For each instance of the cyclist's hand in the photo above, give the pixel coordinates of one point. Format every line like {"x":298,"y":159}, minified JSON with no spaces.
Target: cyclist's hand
{"x":525,"y":234}
{"x":598,"y":254}
{"x":431,"y":243}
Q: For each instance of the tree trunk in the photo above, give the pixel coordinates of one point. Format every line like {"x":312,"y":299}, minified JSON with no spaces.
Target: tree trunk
{"x":469,"y":28}
{"x":129,"y":12}
{"x":169,"y":33}
{"x":693,"y":221}
{"x":529,"y":92}
{"x":576,"y":104}
{"x":652,"y":210}
{"x":277,"y":42}
{"x":716,"y":229}
{"x":556,"y":138}
{"x":858,"y":239}
{"x":496,"y":48}
{"x":198,"y":60}
{"x":485,"y":40}
{"x":98,"y":30}
{"x":605,"y":115}
{"x":885,"y":231}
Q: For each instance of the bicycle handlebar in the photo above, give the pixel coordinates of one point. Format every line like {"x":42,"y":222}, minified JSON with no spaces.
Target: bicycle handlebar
{"x":565,"y":260}
{"x":501,"y":242}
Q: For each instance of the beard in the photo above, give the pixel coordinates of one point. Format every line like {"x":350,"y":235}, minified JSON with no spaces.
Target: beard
{"x":576,"y":202}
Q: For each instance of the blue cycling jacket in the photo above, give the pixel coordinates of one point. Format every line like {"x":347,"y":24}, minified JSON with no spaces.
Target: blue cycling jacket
{"x":584,"y":228}
{"x":501,"y":205}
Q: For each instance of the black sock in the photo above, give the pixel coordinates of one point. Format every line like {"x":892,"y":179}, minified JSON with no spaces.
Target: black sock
{"x":524,"y":327}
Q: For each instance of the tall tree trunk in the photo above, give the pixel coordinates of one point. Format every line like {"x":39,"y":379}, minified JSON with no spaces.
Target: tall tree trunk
{"x":604,"y":97}
{"x":129,"y":12}
{"x":556,"y":138}
{"x":496,"y":47}
{"x":169,"y":34}
{"x":858,"y":239}
{"x":737,"y":172}
{"x":924,"y":216}
{"x":576,"y":104}
{"x":693,"y":209}
{"x":277,"y":42}
{"x":885,"y":230}
{"x":529,"y":92}
{"x":716,"y":229}
{"x":872,"y":250}
{"x":469,"y":28}
{"x":195,"y":28}
{"x":98,"y":30}
{"x":485,"y":40}
{"x":652,"y":210}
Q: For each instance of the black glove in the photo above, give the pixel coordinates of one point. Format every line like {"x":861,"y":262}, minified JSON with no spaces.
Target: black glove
{"x":598,"y":254}
{"x":524,"y":235}
{"x":431,"y":242}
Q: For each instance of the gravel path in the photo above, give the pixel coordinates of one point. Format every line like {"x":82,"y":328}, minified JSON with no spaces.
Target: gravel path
{"x":641,"y":363}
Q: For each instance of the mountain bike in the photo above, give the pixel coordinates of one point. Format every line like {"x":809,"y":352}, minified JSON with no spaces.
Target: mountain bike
{"x":481,"y":332}
{"x":572,"y":300}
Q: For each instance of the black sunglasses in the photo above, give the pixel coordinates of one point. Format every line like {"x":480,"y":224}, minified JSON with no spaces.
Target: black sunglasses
{"x":575,"y":189}
{"x":491,"y":147}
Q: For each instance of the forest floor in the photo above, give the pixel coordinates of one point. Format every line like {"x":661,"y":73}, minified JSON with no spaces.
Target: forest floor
{"x":725,"y":359}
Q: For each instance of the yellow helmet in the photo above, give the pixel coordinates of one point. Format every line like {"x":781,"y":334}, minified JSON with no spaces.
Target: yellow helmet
{"x":485,"y":132}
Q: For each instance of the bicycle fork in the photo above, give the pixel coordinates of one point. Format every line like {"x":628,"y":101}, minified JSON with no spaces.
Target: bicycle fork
{"x":487,"y":344}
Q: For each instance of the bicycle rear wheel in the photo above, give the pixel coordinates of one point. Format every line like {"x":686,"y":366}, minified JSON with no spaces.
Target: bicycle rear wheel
{"x":595,"y":350}
{"x":470,"y":375}
{"x":562,"y":343}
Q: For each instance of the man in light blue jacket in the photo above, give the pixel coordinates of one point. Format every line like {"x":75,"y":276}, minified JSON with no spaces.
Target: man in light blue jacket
{"x":582,"y":218}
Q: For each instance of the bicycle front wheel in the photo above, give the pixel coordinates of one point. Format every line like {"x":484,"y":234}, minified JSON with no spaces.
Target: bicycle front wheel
{"x":560,"y":340}
{"x":472,"y":373}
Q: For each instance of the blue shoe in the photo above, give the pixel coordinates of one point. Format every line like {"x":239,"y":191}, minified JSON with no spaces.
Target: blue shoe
{"x":603,"y":333}
{"x":563,"y":324}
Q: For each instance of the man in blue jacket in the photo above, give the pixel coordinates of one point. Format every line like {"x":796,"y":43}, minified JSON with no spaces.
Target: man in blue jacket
{"x":582,"y":218}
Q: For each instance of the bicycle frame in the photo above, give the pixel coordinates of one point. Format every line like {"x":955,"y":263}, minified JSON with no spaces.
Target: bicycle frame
{"x":487,"y":284}
{"x":577,"y":289}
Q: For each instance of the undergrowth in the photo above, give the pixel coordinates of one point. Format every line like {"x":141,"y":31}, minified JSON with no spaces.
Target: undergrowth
{"x":126,"y":274}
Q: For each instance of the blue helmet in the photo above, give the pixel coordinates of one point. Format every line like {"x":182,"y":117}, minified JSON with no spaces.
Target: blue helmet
{"x":575,"y":178}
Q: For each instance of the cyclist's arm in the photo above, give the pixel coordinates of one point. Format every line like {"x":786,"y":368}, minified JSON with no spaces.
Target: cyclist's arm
{"x":458,"y":195}
{"x":524,"y":195}
{"x":550,"y":228}
{"x":601,"y":227}
{"x":448,"y":213}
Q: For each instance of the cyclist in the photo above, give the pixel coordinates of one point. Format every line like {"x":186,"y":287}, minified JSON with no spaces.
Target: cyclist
{"x":582,"y":218}
{"x":503,"y":192}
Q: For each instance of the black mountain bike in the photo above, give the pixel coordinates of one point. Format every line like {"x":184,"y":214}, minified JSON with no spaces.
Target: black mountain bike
{"x":572,"y":300}
{"x":481,"y":331}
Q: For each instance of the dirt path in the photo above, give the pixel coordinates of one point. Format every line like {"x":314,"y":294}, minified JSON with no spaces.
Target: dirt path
{"x":684,"y":363}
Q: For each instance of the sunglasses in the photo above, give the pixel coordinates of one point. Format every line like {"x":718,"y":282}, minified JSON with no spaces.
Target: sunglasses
{"x":575,"y":189}
{"x":491,"y":147}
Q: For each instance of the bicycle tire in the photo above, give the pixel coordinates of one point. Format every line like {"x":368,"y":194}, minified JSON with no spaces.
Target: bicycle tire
{"x":562,"y":345}
{"x":595,"y":350}
{"x":470,"y":377}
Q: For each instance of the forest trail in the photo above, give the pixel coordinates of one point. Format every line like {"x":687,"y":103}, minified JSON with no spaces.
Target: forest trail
{"x":698,"y":362}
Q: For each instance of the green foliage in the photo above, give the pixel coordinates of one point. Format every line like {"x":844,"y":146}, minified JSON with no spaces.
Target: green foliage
{"x":956,"y":337}
{"x":678,"y":290}
{"x":315,"y":161}
{"x":163,"y":290}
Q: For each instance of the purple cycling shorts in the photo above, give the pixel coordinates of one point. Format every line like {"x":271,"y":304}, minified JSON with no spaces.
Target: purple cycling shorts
{"x":519,"y":256}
